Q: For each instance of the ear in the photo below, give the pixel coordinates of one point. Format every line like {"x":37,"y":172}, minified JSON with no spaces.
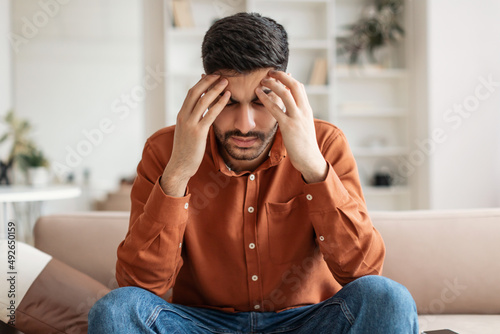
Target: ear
{"x":203,"y":75}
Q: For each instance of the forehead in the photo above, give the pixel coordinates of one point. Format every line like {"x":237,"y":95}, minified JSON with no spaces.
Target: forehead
{"x":242,"y":86}
{"x":245,"y":81}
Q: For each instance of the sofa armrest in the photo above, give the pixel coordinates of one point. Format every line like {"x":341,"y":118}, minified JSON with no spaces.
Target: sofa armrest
{"x":448,"y":260}
{"x":86,"y":241}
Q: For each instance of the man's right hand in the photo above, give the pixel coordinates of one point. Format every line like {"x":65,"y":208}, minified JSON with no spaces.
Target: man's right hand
{"x":191,"y":132}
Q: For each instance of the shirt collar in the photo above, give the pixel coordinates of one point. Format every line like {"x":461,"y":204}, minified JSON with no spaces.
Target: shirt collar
{"x":276,"y":154}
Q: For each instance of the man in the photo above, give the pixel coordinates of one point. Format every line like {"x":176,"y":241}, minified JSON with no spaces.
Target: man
{"x":251,"y":210}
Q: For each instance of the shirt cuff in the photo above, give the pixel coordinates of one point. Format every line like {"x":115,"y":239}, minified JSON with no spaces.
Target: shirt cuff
{"x":167,"y":209}
{"x":326,"y":195}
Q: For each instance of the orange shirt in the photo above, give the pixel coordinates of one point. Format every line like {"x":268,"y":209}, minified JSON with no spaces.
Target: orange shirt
{"x":249,"y":241}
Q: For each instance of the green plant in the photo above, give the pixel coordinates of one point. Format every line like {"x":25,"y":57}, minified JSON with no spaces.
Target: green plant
{"x":23,"y":149}
{"x":33,"y":158}
{"x":377,"y":27}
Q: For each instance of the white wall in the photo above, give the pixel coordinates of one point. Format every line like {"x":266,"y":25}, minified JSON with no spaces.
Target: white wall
{"x":464,"y":49}
{"x":5,"y":83}
{"x":76,"y":63}
{"x":5,"y":59}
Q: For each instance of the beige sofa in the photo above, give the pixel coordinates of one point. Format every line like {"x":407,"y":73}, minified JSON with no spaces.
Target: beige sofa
{"x":449,"y":261}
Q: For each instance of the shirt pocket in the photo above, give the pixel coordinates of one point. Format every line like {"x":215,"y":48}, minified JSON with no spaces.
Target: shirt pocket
{"x":290,"y":232}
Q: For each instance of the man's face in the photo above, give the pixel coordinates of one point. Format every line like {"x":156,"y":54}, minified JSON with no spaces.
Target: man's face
{"x":245,"y":129}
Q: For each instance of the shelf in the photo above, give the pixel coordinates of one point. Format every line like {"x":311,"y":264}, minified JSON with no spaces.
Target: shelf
{"x":385,"y":191}
{"x":187,"y":32}
{"x":379,"y":151}
{"x":372,"y":112}
{"x":312,"y":44}
{"x":186,"y":74}
{"x":317,"y":90}
{"x":370,"y":73}
{"x":299,"y":1}
{"x":365,"y":101}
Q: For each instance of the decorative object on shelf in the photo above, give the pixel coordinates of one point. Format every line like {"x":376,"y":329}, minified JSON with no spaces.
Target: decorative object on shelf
{"x":22,"y":151}
{"x":377,"y":28}
{"x":384,"y":173}
{"x":183,"y":17}
{"x":319,"y":72}
{"x":382,"y":178}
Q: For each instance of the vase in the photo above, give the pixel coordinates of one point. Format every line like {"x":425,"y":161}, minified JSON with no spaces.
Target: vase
{"x":38,"y":176}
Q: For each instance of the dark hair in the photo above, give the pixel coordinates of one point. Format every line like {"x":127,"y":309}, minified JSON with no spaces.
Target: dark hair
{"x":245,"y":42}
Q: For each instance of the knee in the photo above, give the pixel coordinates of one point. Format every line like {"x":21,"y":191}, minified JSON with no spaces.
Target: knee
{"x":116,"y":302}
{"x":383,"y":291}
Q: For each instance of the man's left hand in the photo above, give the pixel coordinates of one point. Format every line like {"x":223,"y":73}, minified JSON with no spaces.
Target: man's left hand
{"x":296,"y":124}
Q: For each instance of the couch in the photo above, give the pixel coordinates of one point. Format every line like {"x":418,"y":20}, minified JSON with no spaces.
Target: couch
{"x":448,"y":260}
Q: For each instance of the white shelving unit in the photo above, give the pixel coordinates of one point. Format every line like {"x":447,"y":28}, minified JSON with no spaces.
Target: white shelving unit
{"x":371,"y":105}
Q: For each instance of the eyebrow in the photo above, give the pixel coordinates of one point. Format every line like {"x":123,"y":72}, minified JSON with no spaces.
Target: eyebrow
{"x":266,"y":91}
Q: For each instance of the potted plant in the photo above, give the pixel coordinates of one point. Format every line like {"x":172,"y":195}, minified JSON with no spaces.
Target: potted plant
{"x":16,"y":136}
{"x":377,"y":30}
{"x":23,"y":152}
{"x":35,"y":164}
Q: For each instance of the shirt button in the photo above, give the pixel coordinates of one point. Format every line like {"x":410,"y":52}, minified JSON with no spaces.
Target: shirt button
{"x":186,"y":205}
{"x":321,"y":238}
{"x":251,"y":245}
{"x":256,"y":307}
{"x":255,"y":277}
{"x":309,"y":197}
{"x":180,"y":245}
{"x":252,"y":177}
{"x":251,"y":209}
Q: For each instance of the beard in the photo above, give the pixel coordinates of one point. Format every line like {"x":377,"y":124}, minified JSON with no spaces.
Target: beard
{"x":244,"y":153}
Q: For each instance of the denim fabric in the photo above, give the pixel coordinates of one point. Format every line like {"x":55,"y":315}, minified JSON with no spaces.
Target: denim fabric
{"x":371,"y":304}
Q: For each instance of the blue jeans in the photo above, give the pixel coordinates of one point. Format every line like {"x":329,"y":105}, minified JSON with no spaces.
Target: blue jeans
{"x":370,"y":304}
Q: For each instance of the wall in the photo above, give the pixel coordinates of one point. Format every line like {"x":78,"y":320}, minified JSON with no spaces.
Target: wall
{"x":79,"y":80}
{"x":463,"y":54}
{"x":5,"y":85}
{"x":5,"y":59}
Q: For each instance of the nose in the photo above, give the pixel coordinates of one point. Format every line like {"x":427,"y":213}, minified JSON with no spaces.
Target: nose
{"x":244,"y":118}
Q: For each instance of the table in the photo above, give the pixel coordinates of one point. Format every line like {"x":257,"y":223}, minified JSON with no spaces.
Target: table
{"x":30,"y":194}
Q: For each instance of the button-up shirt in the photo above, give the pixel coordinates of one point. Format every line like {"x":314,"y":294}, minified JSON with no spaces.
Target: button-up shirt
{"x":261,"y":240}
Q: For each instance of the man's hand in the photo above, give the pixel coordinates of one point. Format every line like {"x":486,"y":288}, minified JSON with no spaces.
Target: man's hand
{"x":296,"y":124}
{"x":191,"y":132}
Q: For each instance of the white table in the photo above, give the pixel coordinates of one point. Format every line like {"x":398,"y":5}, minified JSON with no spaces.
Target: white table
{"x":29,"y":194}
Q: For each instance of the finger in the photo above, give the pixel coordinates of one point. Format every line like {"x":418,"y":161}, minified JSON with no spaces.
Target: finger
{"x":208,"y":98}
{"x":283,"y":93}
{"x":196,"y":91}
{"x":215,"y":110}
{"x":270,"y":105}
{"x":297,"y":88}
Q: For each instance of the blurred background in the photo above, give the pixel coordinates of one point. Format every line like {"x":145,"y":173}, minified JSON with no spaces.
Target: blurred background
{"x":415,"y":85}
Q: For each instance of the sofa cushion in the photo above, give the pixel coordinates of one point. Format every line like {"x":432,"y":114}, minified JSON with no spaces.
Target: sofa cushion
{"x":26,"y":264}
{"x":448,"y":260}
{"x":57,"y":300}
{"x":461,"y":323}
